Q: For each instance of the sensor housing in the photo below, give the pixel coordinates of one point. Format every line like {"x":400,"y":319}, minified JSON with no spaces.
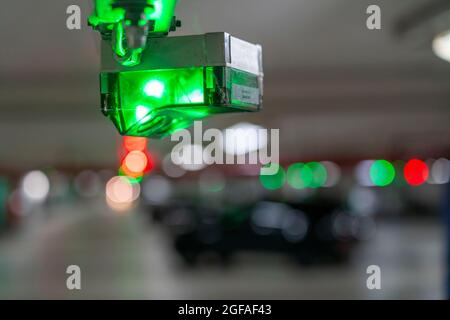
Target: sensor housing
{"x":179,"y":80}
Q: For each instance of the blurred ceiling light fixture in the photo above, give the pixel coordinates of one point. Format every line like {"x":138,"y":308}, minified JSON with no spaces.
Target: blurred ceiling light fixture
{"x":35,"y":186}
{"x":425,"y":24}
{"x":441,"y":45}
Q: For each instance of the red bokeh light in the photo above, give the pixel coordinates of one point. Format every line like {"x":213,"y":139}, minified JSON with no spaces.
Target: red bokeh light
{"x":416,"y":172}
{"x":135,"y":160}
{"x":134,"y":143}
{"x":137,"y":163}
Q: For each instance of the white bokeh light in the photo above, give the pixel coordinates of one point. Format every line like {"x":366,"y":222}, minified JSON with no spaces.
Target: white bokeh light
{"x":441,"y":45}
{"x":35,"y":186}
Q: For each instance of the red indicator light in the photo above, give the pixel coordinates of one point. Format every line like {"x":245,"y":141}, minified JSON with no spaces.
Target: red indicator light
{"x":416,"y":172}
{"x":135,"y":159}
{"x":134,"y":143}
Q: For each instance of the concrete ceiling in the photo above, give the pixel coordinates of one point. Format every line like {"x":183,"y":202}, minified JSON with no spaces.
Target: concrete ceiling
{"x":294,"y":33}
{"x":327,"y":77}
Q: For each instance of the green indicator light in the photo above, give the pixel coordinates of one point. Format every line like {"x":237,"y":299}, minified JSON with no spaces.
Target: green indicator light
{"x":195,"y":96}
{"x":299,"y":176}
{"x":156,"y":103}
{"x":318,"y":174}
{"x":111,"y":16}
{"x":156,"y":11}
{"x":104,"y":13}
{"x":382,"y":173}
{"x":142,"y":114}
{"x":159,"y":11}
{"x":310,"y":175}
{"x":274,"y":181}
{"x":154,"y":88}
{"x":162,"y":13}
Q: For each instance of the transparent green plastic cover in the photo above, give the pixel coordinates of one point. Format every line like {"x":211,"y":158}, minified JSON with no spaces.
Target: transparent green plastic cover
{"x":156,"y":103}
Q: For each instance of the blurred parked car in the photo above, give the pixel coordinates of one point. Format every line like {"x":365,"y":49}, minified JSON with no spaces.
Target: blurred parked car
{"x":315,"y":231}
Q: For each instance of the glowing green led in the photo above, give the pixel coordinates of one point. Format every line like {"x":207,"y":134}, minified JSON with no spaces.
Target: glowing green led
{"x":104,"y":13}
{"x":195,"y":96}
{"x":318,"y":174}
{"x":382,"y":173}
{"x":299,"y":176}
{"x":162,"y":13}
{"x":156,"y":103}
{"x":141,"y":103}
{"x":154,"y":88}
{"x":111,"y":16}
{"x":159,"y":11}
{"x":310,"y":175}
{"x":273,"y":181}
{"x":142,"y":113}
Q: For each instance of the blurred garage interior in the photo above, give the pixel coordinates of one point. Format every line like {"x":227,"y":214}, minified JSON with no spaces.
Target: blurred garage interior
{"x":346,"y":99}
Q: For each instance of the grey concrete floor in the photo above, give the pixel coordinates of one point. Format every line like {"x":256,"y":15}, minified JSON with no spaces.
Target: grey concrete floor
{"x":125,"y":257}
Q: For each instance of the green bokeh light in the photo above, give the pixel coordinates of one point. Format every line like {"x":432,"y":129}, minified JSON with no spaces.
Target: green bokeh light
{"x":310,"y":175}
{"x":274,"y":181}
{"x":382,"y":173}
{"x":299,"y":176}
{"x":319,"y":174}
